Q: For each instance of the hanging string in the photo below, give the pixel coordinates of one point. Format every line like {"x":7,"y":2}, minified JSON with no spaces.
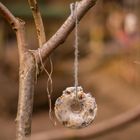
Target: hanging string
{"x":73,"y":8}
{"x":49,"y":84}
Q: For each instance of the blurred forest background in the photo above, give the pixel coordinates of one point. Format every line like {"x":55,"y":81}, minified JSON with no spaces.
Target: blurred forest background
{"x":109,"y":37}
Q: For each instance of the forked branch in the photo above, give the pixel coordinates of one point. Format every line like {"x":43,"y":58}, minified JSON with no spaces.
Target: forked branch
{"x":27,"y":61}
{"x":60,"y":36}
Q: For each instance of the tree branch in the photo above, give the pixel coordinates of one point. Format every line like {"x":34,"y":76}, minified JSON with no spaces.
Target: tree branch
{"x":26,"y":77}
{"x":60,"y":36}
{"x":93,"y":131}
{"x":26,"y":94}
{"x":8,"y":15}
{"x":38,"y":22}
{"x":17,"y":25}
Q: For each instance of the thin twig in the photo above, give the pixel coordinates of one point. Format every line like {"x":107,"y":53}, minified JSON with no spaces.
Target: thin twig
{"x":93,"y":131}
{"x":60,"y":36}
{"x":38,"y":22}
{"x":17,"y":25}
{"x":11,"y":19}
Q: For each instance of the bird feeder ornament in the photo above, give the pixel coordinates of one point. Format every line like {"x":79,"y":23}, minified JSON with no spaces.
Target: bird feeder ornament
{"x":75,"y":108}
{"x":75,"y":113}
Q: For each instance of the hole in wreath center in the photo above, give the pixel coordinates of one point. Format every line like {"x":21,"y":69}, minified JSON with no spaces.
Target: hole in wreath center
{"x":76,"y":106}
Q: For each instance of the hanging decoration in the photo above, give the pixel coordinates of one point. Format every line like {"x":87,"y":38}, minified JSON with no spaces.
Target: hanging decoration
{"x":75,"y":108}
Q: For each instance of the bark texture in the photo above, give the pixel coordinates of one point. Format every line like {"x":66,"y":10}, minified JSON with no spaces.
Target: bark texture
{"x":26,"y":94}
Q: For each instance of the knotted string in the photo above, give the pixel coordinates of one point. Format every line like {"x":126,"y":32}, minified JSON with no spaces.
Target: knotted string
{"x":49,"y":84}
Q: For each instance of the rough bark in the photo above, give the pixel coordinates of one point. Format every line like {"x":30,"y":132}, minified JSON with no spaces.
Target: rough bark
{"x":26,"y":94}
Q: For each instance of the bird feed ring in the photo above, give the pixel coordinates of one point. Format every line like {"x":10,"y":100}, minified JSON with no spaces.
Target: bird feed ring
{"x":75,"y":112}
